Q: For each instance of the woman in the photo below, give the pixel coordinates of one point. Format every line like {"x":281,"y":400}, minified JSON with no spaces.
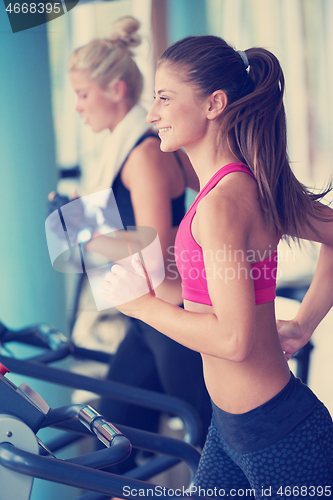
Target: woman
{"x":149,"y":189}
{"x":269,"y":432}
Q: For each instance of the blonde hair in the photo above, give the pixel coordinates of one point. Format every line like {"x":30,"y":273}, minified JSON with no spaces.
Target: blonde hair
{"x":109,"y":59}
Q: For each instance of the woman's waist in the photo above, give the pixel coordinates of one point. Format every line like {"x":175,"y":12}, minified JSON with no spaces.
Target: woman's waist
{"x":238,"y":387}
{"x":269,"y":422}
{"x":265,"y":313}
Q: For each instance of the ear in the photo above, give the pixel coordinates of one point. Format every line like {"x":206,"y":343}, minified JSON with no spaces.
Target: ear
{"x":216,"y":104}
{"x":118,"y":90}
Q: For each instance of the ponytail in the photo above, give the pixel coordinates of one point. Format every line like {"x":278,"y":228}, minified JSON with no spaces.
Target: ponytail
{"x":254,"y":122}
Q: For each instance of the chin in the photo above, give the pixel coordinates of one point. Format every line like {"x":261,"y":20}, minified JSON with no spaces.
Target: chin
{"x":167,"y":148}
{"x":96,"y":130}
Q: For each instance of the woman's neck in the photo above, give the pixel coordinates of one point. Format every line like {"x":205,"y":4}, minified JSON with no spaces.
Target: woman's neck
{"x":207,"y":160}
{"x":120,"y":112}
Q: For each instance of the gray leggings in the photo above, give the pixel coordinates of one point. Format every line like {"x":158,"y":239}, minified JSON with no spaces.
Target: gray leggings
{"x":298,"y":465}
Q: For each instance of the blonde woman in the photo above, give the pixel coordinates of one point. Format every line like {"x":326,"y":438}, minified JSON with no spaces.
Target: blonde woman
{"x":149,"y":188}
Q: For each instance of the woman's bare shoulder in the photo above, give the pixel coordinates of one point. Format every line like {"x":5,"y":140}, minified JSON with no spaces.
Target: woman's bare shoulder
{"x":232,"y":210}
{"x":146,"y":162}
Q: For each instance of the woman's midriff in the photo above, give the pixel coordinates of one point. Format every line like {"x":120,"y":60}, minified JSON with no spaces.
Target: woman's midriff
{"x":238,"y":387}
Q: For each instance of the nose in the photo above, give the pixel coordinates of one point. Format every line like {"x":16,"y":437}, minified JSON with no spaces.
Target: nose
{"x":78,"y":107}
{"x":153,"y":116}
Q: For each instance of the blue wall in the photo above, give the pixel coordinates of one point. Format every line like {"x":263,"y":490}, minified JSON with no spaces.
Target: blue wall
{"x":31,"y":291}
{"x":185,"y":18}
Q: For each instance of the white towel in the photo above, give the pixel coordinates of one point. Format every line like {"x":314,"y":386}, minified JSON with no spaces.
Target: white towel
{"x":117,"y":147}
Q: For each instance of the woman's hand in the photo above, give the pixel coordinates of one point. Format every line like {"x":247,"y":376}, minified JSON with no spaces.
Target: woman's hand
{"x":130,"y":292}
{"x":291,"y":337}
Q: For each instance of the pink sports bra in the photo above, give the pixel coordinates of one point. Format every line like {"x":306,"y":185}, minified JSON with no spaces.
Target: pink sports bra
{"x":189,"y":256}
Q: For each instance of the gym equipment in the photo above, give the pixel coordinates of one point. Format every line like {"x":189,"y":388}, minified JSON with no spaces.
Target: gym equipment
{"x":23,"y":413}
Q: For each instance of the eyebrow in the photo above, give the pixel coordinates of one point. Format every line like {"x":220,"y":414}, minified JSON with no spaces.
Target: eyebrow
{"x":164,"y":90}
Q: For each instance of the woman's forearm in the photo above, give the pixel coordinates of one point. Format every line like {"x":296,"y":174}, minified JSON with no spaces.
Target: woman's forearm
{"x":319,"y":298}
{"x":116,"y":247}
{"x":201,"y":332}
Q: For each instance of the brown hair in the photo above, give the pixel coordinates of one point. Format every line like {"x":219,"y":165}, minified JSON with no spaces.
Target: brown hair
{"x":254,"y":121}
{"x":106,"y":60}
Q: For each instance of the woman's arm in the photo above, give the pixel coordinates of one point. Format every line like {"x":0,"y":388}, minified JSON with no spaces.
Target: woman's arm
{"x":145,"y":176}
{"x":153,"y":179}
{"x":318,"y":300}
{"x":227,"y":332}
{"x":148,"y":176}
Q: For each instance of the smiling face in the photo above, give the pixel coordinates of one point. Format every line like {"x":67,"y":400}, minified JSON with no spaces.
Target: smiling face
{"x":178,"y":112}
{"x":93,"y":103}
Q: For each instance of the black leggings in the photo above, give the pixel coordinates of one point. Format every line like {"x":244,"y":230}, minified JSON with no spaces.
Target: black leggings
{"x":260,"y":460}
{"x":150,"y":360}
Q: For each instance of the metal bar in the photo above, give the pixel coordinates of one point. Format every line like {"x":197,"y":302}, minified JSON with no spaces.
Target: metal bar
{"x":60,"y":471}
{"x":81,"y":352}
{"x":155,"y":466}
{"x":119,"y":450}
{"x":106,"y":388}
{"x":60,"y":442}
{"x":53,"y":356}
{"x":175,"y":448}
